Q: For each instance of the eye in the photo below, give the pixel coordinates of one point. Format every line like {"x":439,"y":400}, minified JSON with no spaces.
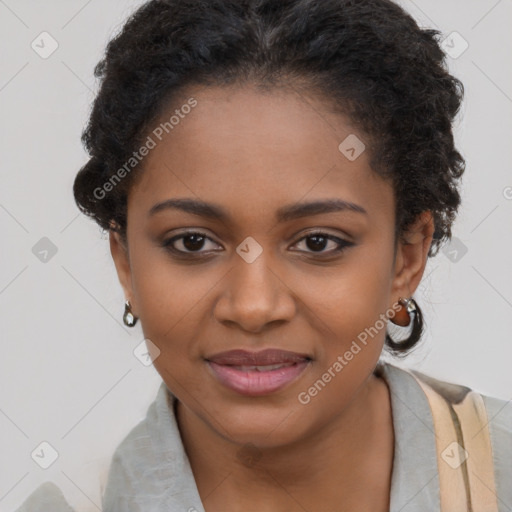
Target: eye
{"x":318,"y":240}
{"x":189,"y":242}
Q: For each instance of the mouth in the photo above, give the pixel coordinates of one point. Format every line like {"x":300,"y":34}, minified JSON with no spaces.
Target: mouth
{"x":257,"y":373}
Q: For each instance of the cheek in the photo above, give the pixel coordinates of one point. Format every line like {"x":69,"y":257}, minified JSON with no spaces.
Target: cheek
{"x":350,"y":299}
{"x":354,"y":335}
{"x":168,"y":298}
{"x":348,"y":309}
{"x":170,"y":305}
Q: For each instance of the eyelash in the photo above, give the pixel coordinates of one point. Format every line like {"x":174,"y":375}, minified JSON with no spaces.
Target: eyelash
{"x":342,"y":244}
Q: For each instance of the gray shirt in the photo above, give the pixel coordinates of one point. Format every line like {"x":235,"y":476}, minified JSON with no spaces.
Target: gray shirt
{"x":150,"y":471}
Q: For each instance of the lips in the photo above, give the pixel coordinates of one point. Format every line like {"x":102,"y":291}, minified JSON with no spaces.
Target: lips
{"x":263,"y":358}
{"x":257,"y":373}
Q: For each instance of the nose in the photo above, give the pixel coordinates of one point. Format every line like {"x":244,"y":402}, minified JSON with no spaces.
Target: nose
{"x":255,"y":296}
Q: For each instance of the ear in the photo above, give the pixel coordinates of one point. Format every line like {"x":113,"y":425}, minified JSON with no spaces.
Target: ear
{"x":119,"y":252}
{"x":412,"y":255}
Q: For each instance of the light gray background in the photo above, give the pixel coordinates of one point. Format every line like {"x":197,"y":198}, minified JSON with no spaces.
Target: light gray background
{"x":68,"y":373}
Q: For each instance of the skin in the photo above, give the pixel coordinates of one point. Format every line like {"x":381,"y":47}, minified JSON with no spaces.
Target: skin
{"x":251,"y":153}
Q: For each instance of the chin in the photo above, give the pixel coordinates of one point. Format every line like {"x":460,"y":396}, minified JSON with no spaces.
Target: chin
{"x":265,"y":427}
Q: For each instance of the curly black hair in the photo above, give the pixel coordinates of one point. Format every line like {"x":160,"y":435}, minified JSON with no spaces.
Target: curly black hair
{"x":367,"y":58}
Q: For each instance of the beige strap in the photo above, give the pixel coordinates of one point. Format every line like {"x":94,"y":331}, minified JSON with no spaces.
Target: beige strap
{"x":464,"y":451}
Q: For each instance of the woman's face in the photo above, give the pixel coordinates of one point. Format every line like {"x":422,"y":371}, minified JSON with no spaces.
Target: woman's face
{"x":259,"y":279}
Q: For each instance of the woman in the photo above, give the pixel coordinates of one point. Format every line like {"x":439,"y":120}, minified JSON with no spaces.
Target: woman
{"x":274,"y":176}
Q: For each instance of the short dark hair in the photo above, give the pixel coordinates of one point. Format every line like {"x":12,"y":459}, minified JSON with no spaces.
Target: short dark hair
{"x":368,"y":58}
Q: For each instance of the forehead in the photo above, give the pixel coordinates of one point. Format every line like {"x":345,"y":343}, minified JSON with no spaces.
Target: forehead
{"x":252,"y":150}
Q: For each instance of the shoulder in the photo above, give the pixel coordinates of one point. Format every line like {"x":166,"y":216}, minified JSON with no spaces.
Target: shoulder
{"x":498,"y":411}
{"x":135,"y":455}
{"x":485,"y":426}
{"x":46,"y":497}
{"x":150,"y":469}
{"x":479,"y":426}
{"x":131,"y":458}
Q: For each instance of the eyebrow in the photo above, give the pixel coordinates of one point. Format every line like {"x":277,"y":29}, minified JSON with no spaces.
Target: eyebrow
{"x":283,"y":214}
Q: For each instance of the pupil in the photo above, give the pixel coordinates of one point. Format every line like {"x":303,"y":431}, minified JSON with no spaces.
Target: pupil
{"x":197,"y":242}
{"x":316,"y":244}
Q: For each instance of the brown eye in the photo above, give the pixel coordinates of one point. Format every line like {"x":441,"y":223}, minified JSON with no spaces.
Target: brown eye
{"x":190,"y":242}
{"x":318,"y":241}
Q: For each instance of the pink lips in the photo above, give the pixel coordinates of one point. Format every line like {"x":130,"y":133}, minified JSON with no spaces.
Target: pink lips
{"x":257,"y":373}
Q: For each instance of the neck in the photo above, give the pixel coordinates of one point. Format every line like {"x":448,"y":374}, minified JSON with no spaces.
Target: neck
{"x":341,"y":460}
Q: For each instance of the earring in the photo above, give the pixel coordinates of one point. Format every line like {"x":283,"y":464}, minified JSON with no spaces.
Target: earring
{"x":403,"y":318}
{"x":129,"y":318}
